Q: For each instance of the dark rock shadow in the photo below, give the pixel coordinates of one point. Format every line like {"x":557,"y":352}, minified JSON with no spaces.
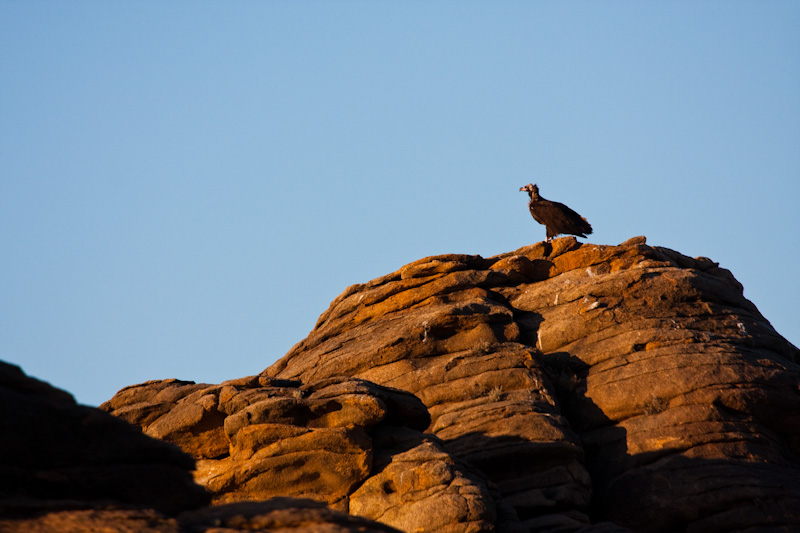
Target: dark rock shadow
{"x":536,"y":478}
{"x":604,"y":444}
{"x":567,"y":477}
{"x":668,"y":490}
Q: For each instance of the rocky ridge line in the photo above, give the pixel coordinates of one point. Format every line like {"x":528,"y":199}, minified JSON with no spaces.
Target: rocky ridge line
{"x":560,"y":387}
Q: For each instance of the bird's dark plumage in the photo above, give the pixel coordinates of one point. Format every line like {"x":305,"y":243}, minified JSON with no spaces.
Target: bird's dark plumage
{"x":556,"y":217}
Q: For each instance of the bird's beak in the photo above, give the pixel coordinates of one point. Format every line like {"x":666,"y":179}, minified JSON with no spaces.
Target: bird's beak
{"x":523,"y":189}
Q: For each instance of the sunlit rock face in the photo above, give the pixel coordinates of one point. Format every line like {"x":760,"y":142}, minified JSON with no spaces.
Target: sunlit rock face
{"x":629,"y":383}
{"x":351,"y":444}
{"x":560,"y":387}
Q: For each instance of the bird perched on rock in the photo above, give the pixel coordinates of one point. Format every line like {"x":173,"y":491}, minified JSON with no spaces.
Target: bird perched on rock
{"x":556,"y":217}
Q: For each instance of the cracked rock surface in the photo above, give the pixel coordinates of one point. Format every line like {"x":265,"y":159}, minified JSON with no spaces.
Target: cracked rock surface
{"x":69,"y":468}
{"x":561,"y":387}
{"x":591,"y":384}
{"x":349,"y":443}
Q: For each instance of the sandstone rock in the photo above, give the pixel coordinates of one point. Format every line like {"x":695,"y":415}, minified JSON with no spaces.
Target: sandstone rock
{"x":599,"y":389}
{"x":100,"y":520}
{"x":72,"y":469}
{"x":349,"y":443}
{"x":594,"y":385}
{"x":284,"y":515}
{"x":424,"y":489}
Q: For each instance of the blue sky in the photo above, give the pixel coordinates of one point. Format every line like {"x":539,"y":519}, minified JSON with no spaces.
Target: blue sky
{"x":185,"y":186}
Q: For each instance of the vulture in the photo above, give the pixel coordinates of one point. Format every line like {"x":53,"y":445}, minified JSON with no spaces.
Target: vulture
{"x":556,"y":217}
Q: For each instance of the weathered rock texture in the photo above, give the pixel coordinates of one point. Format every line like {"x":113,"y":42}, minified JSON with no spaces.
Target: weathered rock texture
{"x":627,"y":383}
{"x":349,"y":443}
{"x":69,"y":468}
{"x":278,"y":515}
{"x":560,"y":387}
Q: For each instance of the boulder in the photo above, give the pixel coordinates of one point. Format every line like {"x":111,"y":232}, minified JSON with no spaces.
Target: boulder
{"x":349,"y":443}
{"x":71,"y":469}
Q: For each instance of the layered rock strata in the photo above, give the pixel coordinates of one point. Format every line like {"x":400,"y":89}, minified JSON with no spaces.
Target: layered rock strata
{"x":72,"y":469}
{"x":624,"y":383}
{"x":349,"y":443}
{"x":559,"y":387}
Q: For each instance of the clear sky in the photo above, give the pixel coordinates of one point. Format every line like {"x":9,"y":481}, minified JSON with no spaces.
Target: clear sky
{"x":185,"y":186}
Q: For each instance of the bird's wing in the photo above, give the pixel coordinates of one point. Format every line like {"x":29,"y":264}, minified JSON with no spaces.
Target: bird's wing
{"x":559,"y":218}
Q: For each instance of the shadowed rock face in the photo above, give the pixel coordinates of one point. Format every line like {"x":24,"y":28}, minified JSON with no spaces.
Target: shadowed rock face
{"x":72,"y":469}
{"x":53,"y":450}
{"x":624,"y":383}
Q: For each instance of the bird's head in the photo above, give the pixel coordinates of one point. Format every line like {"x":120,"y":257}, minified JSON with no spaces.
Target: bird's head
{"x":531,"y":189}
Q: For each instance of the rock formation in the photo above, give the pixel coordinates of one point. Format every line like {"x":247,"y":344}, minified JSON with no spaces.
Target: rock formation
{"x":70,"y":468}
{"x":560,"y":387}
{"x":349,"y":443}
{"x":626,"y":383}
